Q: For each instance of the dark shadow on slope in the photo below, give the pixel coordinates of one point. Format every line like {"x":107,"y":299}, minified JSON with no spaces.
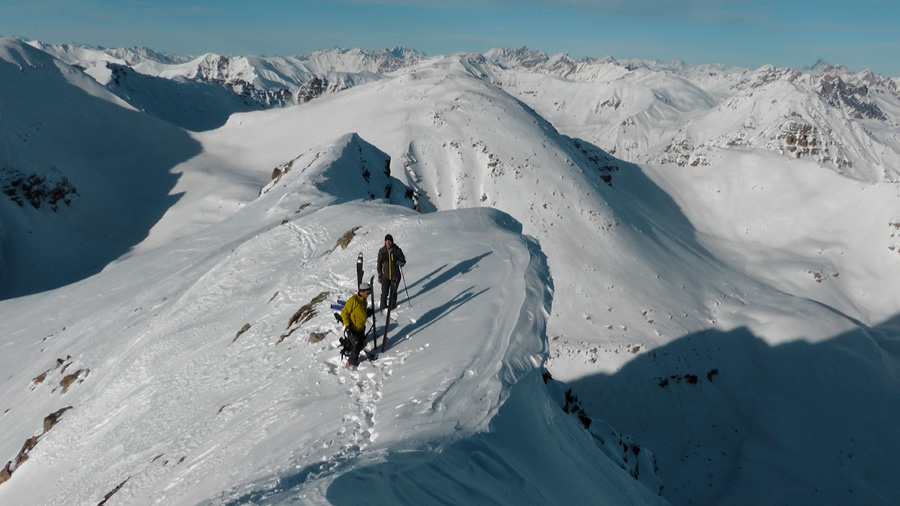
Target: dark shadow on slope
{"x":634,"y":198}
{"x":193,"y":105}
{"x":397,"y":336}
{"x":272,"y":494}
{"x":360,"y":171}
{"x":426,"y":277}
{"x":432,"y":280}
{"x":118,"y":160}
{"x":734,"y":421}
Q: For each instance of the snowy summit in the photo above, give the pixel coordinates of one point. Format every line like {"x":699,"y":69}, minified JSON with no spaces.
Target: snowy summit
{"x":627,"y":282}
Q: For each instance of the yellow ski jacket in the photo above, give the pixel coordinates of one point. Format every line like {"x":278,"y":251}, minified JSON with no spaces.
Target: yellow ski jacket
{"x":354,"y":314}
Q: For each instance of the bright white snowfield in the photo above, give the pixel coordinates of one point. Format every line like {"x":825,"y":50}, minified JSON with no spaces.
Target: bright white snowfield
{"x":705,"y":260}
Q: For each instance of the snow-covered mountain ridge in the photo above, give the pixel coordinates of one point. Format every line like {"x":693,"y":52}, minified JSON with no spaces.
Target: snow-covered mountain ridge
{"x":203,"y":396}
{"x":673,"y":113}
{"x":260,"y":81}
{"x":714,"y":313}
{"x":641,"y":111}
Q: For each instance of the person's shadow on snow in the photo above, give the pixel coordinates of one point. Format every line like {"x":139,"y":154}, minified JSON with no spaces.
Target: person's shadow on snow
{"x":433,"y":279}
{"x":432,"y":316}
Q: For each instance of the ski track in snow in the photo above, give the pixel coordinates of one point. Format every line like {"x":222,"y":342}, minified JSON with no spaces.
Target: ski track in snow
{"x":170,"y":334}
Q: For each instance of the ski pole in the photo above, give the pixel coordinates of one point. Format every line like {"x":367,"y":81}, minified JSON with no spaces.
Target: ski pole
{"x":403,"y":276}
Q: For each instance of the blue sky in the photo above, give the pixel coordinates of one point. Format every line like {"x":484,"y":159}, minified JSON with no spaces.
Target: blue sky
{"x":859,"y":35}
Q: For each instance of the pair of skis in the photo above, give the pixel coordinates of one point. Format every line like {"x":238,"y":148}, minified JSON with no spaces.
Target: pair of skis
{"x":359,"y":277}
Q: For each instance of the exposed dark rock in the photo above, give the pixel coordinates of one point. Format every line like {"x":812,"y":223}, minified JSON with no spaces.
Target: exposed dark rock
{"x":345,"y":239}
{"x":313,"y":88}
{"x":303,"y":315}
{"x":70,"y":379}
{"x":113,"y":492}
{"x":50,"y":189}
{"x":53,"y":418}
{"x":851,"y":98}
{"x":245,"y":328}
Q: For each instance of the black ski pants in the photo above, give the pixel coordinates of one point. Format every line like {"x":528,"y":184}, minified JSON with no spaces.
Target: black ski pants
{"x":358,"y":339}
{"x":389,"y":288}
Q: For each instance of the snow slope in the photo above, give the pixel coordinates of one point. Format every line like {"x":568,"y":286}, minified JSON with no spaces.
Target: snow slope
{"x":735,"y":318}
{"x":177,"y":406}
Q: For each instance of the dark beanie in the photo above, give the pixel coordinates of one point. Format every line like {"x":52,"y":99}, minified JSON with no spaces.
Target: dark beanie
{"x":389,"y":237}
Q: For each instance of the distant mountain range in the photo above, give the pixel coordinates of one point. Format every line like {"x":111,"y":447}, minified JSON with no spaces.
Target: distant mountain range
{"x":640,"y":111}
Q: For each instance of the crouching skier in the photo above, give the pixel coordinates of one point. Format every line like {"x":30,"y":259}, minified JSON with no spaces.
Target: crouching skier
{"x":354,"y":315}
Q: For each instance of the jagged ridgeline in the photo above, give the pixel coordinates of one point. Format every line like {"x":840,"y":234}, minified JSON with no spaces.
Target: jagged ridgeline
{"x":640,"y":111}
{"x":354,"y":169}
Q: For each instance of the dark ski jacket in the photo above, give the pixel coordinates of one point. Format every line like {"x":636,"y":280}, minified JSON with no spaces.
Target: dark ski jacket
{"x":389,"y":263}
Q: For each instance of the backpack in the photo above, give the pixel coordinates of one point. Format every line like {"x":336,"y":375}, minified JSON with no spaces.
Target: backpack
{"x":346,"y":342}
{"x":346,"y":346}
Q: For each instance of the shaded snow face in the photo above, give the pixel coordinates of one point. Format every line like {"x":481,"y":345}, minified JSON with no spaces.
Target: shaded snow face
{"x":84,"y":181}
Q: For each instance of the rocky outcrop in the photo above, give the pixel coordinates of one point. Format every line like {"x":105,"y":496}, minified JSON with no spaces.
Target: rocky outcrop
{"x":313,"y":88}
{"x":49,"y":422}
{"x":682,"y":152}
{"x":800,"y":139}
{"x":49,"y":190}
{"x":853,"y":99}
{"x":304,"y":314}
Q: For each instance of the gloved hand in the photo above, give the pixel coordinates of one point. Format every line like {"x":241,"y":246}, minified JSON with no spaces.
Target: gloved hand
{"x":401,"y":263}
{"x":381,"y":280}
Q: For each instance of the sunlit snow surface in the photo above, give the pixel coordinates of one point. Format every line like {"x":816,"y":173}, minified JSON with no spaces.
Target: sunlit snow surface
{"x":729,"y":328}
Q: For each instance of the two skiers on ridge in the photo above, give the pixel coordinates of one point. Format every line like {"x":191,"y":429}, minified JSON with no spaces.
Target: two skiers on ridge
{"x":390,"y":261}
{"x":356,"y":310}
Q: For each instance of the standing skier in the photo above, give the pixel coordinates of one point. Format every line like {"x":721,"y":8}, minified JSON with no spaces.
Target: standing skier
{"x":354,"y":315}
{"x":390,"y":260}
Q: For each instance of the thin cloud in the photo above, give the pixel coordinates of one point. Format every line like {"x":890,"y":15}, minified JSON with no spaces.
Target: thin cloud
{"x":738,"y":11}
{"x":437,"y":4}
{"x":718,"y":11}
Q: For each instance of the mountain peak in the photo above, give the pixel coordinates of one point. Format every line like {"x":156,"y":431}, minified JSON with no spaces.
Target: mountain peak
{"x":821,"y":65}
{"x":521,"y":57}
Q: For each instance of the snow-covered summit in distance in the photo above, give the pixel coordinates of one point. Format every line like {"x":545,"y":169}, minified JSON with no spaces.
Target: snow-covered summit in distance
{"x":673,"y":113}
{"x":628,"y":282}
{"x":638,"y":110}
{"x":264,"y":81}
